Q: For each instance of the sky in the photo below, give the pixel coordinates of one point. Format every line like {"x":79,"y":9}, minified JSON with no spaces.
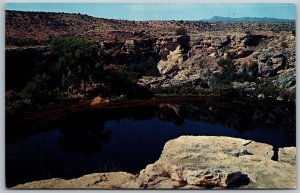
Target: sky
{"x":164,"y":11}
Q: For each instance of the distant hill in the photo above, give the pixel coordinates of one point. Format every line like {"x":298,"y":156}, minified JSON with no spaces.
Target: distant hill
{"x":248,"y":19}
{"x":34,"y":28}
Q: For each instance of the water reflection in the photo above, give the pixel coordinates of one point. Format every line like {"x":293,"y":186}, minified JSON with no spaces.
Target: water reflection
{"x":237,"y":115}
{"x":83,"y":133}
{"x":171,"y":112}
{"x":129,"y":137}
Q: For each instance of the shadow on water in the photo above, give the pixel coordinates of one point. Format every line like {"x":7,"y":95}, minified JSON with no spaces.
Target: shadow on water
{"x":128,"y":138}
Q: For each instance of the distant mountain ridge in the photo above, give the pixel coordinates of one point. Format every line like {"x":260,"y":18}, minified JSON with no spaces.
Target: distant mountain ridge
{"x":247,"y":19}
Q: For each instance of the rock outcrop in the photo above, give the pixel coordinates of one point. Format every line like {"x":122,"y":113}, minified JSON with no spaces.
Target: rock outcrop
{"x":279,"y":54}
{"x":173,"y":52}
{"x":287,"y":154}
{"x":198,"y":162}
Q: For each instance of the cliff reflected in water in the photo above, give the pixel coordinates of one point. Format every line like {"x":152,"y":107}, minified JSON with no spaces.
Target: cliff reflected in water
{"x":84,"y":132}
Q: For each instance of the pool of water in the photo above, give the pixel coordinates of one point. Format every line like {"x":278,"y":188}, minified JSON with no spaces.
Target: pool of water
{"x":129,"y":138}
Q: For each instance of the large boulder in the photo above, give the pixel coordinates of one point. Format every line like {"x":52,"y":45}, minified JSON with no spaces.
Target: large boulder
{"x":219,"y":41}
{"x":265,"y":69}
{"x":167,"y":67}
{"x":286,"y":78}
{"x":174,"y":60}
{"x":244,"y":86}
{"x":279,"y":61}
{"x":206,"y":161}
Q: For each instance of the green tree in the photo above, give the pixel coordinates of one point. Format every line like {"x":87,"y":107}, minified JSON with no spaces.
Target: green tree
{"x":79,"y":62}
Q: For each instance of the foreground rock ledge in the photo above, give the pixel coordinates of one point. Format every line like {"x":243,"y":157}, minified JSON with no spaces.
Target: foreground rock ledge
{"x":197,"y":162}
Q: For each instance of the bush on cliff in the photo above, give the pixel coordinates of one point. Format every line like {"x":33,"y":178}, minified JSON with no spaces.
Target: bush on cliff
{"x":137,"y":71}
{"x":227,"y":74}
{"x":268,"y":89}
{"x":180,"y":31}
{"x":38,"y":89}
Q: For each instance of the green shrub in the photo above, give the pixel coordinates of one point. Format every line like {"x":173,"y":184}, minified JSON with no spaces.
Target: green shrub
{"x":225,"y":62}
{"x":15,"y":104}
{"x":222,"y":89}
{"x":180,"y":31}
{"x":287,"y":94}
{"x":294,"y":32}
{"x":268,"y":89}
{"x":249,"y":74}
{"x":284,"y":45}
{"x":227,"y":74}
{"x":38,"y":89}
{"x":225,"y":49}
{"x":136,"y":71}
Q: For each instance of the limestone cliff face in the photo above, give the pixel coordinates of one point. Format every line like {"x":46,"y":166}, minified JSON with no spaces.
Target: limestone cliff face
{"x":197,"y":66}
{"x":198,"y":162}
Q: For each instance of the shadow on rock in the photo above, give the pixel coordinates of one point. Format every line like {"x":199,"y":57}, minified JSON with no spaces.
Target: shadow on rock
{"x":236,"y":179}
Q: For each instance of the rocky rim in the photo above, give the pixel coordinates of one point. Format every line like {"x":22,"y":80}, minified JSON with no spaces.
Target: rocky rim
{"x":197,"y":162}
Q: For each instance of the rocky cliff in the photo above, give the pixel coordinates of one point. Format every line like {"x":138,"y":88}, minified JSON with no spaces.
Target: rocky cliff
{"x":198,"y":162}
{"x":250,"y":62}
{"x":212,"y":58}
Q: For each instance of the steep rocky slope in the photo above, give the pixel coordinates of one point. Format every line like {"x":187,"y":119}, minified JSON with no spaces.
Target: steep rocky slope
{"x":198,"y":162}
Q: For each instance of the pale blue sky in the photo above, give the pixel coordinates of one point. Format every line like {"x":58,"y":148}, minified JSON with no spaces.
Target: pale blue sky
{"x":164,"y":11}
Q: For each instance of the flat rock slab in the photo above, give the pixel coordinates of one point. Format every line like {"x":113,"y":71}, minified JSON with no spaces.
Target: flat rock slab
{"x":198,"y":162}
